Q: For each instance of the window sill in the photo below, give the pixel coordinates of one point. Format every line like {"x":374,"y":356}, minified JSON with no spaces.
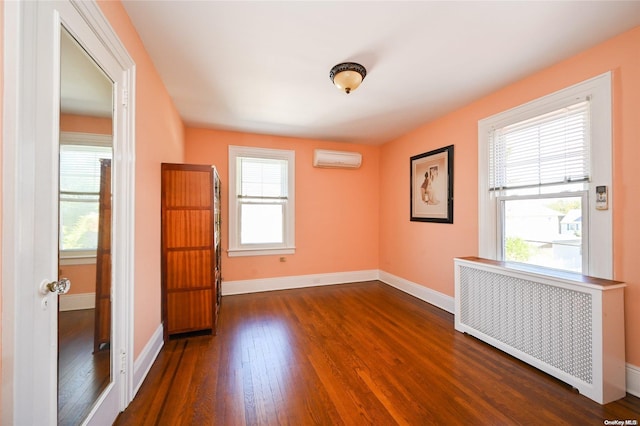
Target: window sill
{"x":78,"y":260}
{"x":260,"y":252}
{"x":545,"y":272}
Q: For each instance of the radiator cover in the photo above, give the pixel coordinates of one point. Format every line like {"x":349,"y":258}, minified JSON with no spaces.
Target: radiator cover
{"x":565,"y":325}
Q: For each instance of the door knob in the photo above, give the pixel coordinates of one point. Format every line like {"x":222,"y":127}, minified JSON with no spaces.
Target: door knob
{"x":61,"y":286}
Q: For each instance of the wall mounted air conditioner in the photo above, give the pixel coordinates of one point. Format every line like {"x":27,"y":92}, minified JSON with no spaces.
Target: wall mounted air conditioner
{"x":336,"y":159}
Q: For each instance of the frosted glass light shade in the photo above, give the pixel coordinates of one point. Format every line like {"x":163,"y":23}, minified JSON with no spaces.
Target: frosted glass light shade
{"x":347,"y":76}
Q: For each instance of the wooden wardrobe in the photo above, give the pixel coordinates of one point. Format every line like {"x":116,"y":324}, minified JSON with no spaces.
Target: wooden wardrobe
{"x":102,"y":322}
{"x":190,"y":248}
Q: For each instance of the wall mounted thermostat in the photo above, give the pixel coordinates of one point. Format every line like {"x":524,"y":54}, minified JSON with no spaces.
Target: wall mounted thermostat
{"x":602,"y":199}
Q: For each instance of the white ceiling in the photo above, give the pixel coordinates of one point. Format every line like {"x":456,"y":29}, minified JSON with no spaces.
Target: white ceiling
{"x":263,"y":67}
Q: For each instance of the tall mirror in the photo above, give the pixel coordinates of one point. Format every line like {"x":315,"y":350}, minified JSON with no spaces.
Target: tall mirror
{"x":84,"y":254}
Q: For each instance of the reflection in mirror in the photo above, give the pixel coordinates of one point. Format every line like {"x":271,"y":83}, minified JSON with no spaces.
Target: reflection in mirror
{"x":84,"y":317}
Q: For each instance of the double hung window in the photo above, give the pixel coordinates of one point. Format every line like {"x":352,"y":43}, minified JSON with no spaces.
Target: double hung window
{"x":539,"y":167}
{"x":261,"y":201}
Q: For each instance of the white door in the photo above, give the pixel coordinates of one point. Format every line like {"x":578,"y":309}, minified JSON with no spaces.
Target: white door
{"x":30,"y":206}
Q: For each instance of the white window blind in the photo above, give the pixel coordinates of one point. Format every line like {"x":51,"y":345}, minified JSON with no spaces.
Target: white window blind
{"x":549,"y":149}
{"x":79,"y":191}
{"x":262,"y":200}
{"x":263,"y":178}
{"x":80,"y":168}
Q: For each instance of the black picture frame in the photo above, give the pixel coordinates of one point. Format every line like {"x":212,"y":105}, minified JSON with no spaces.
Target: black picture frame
{"x":431,"y":188}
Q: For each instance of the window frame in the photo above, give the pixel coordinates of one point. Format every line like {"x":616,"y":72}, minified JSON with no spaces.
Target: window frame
{"x":80,"y":257}
{"x":599,"y":249}
{"x":582,"y":194}
{"x":235,"y":247}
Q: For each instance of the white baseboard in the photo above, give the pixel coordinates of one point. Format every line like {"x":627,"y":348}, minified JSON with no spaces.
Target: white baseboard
{"x":76,"y":302}
{"x":143,"y":363}
{"x":300,"y":281}
{"x":633,"y":380}
{"x":433,"y":297}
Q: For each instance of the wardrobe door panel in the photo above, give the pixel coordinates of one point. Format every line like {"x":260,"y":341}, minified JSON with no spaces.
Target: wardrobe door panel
{"x":189,"y":311}
{"x":188,"y":269}
{"x":188,"y":228}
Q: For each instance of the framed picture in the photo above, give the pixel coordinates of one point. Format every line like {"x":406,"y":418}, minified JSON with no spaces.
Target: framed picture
{"x":432,"y":186}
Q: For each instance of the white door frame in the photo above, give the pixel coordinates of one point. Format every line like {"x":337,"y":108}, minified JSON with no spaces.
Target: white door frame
{"x":29,"y":197}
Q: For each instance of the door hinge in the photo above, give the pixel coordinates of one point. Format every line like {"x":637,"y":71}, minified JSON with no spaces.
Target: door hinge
{"x":125,"y":97}
{"x":123,"y":362}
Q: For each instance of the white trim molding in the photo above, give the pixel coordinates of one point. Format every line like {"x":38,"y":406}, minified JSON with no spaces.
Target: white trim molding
{"x":284,"y":283}
{"x":77,"y":302}
{"x":77,"y":260}
{"x":423,"y":293}
{"x":147,"y":357}
{"x":633,"y":380}
{"x":80,"y":138}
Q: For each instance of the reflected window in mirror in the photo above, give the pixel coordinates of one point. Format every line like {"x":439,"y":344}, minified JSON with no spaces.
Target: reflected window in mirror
{"x":80,"y":156}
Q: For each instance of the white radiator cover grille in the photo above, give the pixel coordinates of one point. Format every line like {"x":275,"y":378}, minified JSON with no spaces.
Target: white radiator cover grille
{"x":567,"y":325}
{"x":551,"y":324}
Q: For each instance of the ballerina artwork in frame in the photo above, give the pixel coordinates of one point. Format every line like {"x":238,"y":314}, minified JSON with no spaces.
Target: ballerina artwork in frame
{"x":432,"y":186}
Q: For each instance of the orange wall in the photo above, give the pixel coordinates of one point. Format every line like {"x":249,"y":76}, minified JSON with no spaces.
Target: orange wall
{"x":423,"y":252}
{"x":83,"y":277}
{"x":159,"y":138}
{"x":336,"y":209}
{"x":85,"y":124}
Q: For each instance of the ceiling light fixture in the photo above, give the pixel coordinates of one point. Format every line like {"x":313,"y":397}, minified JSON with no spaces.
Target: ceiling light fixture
{"x":347,"y":76}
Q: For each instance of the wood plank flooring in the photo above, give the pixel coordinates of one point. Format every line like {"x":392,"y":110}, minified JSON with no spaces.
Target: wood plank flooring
{"x":354,"y":354}
{"x":82,"y":375}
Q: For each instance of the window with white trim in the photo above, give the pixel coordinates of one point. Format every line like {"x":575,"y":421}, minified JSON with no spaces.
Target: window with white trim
{"x":539,"y":165}
{"x":261,"y":201}
{"x":80,"y":157}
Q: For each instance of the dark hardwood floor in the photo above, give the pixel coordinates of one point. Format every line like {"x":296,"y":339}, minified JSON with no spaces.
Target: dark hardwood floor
{"x":354,"y":354}
{"x":82,"y":375}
